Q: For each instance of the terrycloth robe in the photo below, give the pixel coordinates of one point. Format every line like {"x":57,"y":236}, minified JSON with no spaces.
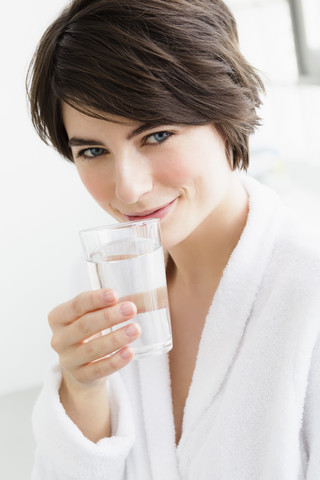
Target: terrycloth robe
{"x":253,"y":408}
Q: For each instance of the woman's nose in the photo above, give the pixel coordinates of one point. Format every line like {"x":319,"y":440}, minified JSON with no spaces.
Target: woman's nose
{"x":133,"y":178}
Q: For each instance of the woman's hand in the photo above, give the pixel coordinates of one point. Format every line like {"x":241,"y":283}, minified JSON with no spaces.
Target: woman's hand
{"x":88,"y":357}
{"x":77,"y":327}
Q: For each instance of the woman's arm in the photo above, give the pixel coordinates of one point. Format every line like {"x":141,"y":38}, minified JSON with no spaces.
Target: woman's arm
{"x":73,"y":416}
{"x":63,"y":452}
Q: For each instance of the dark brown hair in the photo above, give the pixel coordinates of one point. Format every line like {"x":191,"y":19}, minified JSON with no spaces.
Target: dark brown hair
{"x":154,"y":61}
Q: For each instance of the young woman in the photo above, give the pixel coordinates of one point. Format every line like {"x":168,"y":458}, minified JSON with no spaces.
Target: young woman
{"x":154,"y":104}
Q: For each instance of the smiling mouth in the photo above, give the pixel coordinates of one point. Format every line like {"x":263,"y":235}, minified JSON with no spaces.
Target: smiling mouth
{"x":157,"y":213}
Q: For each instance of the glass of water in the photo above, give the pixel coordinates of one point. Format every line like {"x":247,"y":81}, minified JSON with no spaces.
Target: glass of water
{"x":128,"y":257}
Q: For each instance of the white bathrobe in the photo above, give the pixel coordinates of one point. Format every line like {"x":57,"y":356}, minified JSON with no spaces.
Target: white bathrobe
{"x":253,"y":408}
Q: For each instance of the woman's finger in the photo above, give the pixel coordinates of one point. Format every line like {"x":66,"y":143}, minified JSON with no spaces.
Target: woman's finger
{"x":85,"y":302}
{"x":100,"y":347}
{"x":91,"y":324}
{"x":95,"y":371}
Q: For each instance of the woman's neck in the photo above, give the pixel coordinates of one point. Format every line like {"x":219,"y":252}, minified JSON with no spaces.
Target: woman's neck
{"x":200,"y":259}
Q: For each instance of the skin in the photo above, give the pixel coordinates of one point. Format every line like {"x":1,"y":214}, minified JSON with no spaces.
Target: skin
{"x":182,"y":166}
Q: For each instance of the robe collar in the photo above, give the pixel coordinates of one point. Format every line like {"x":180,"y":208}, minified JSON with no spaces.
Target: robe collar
{"x":221,"y":337}
{"x":233,"y":300}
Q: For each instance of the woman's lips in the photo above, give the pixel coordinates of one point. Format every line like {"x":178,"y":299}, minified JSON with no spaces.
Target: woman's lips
{"x":159,"y":213}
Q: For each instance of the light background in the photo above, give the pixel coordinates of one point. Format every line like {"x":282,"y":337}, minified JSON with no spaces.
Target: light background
{"x":43,"y":204}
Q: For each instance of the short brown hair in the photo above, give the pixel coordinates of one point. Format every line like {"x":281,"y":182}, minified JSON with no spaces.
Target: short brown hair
{"x":158,"y":62}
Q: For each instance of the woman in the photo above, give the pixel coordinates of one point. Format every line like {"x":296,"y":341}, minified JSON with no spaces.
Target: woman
{"x":154,"y":104}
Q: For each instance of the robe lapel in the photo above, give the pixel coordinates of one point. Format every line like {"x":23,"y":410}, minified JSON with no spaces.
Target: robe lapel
{"x":158,"y":416}
{"x":232,"y":303}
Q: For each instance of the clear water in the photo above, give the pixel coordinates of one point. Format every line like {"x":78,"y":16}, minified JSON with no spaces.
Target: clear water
{"x":141,"y":279}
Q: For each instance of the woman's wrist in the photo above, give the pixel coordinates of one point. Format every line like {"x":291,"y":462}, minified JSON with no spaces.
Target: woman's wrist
{"x":87,"y":406}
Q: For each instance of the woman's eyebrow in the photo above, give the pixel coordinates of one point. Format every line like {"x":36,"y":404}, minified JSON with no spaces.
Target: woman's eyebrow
{"x":79,"y":142}
{"x":142,"y":128}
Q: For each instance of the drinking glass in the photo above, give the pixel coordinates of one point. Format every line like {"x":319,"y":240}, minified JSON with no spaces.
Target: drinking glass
{"x":128,"y":257}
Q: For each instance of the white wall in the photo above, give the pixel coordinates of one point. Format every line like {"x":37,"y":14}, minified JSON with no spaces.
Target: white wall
{"x":43,"y":204}
{"x":285,"y":153}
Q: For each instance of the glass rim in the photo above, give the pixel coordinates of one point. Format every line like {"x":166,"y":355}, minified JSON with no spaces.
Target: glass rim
{"x":115,"y":226}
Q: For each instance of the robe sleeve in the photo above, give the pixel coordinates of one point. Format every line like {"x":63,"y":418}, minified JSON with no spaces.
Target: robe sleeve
{"x":312,"y":416}
{"x":63,"y":452}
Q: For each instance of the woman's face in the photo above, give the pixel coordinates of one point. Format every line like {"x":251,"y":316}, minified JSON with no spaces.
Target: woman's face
{"x":178,"y":173}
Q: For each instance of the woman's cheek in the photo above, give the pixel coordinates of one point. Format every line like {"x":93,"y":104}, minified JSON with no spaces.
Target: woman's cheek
{"x":95,"y":185}
{"x":176,"y":173}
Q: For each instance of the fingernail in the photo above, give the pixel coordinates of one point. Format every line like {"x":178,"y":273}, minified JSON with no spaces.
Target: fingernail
{"x":131,"y":330}
{"x":126,"y":353}
{"x":108,"y":296}
{"x":126,"y":309}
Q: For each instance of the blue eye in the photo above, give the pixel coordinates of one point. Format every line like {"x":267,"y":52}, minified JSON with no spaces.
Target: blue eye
{"x":158,"y":137}
{"x":92,"y":152}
